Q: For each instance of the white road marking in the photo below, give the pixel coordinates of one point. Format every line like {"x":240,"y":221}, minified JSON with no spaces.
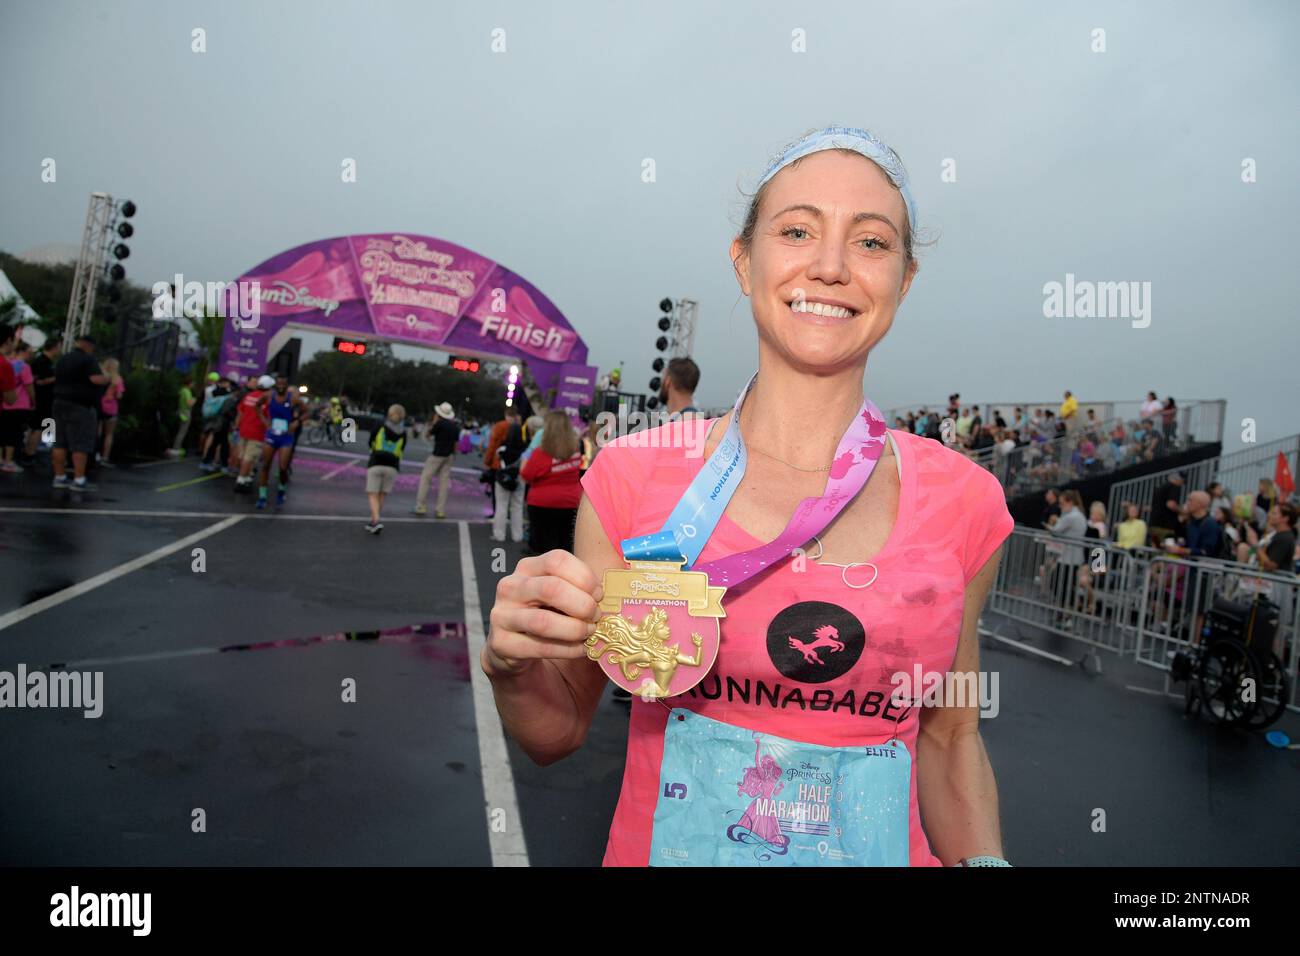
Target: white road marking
{"x":1027,"y":647}
{"x":273,"y":516}
{"x":508,"y":847}
{"x":112,"y":574}
{"x":343,"y":467}
{"x":137,"y":658}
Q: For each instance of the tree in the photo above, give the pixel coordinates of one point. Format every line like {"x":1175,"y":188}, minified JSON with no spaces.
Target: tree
{"x":208,"y":329}
{"x":417,"y":385}
{"x":46,"y":289}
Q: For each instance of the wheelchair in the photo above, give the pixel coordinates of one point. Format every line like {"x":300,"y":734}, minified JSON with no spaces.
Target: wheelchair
{"x":1233,"y":676}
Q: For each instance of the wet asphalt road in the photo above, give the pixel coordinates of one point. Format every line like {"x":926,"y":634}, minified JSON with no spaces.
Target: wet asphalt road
{"x":285,"y":771}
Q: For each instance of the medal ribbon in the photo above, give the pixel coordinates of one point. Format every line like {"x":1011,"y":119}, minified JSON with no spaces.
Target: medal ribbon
{"x":697,"y":514}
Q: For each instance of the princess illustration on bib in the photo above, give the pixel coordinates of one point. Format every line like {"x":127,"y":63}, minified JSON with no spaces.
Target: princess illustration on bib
{"x":759,"y":824}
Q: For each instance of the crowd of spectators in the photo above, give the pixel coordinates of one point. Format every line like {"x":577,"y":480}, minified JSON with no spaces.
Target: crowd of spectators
{"x":1042,"y":446}
{"x":1255,"y":531}
{"x":1249,"y":528}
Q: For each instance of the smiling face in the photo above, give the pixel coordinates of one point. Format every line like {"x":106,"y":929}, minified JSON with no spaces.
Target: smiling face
{"x":826,"y":268}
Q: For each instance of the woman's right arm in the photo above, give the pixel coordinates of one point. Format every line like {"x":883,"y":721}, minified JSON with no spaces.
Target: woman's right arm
{"x":546,"y":689}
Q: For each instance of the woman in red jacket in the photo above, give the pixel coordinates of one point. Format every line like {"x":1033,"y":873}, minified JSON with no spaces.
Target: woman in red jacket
{"x":552,"y":472}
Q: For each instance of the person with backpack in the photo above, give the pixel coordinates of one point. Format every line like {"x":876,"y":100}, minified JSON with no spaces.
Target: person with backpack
{"x":385,"y":459}
{"x":216,"y":425}
{"x":505,"y":447}
{"x":214,"y":380}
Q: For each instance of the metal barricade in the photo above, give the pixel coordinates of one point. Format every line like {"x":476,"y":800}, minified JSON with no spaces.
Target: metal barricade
{"x":1178,"y":593}
{"x":1138,"y":601}
{"x":1094,"y":602}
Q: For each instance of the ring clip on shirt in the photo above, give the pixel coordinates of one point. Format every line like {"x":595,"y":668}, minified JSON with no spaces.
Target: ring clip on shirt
{"x":844,"y":574}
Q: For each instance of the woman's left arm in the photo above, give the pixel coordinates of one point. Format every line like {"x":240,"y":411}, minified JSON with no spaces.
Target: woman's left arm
{"x":954,"y":779}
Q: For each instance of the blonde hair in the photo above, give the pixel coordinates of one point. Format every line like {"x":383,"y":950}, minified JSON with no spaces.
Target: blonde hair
{"x":1095,"y":507}
{"x":747,"y":230}
{"x":397,"y":413}
{"x":110,"y":366}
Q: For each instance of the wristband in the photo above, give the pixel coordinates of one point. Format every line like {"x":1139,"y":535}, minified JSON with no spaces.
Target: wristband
{"x":983,"y":861}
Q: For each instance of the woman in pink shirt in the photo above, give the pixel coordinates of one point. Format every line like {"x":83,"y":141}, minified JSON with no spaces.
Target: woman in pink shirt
{"x":108,"y":408}
{"x":15,"y":416}
{"x":808,"y":741}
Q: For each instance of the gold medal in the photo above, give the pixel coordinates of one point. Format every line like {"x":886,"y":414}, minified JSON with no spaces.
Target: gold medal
{"x":661,"y":630}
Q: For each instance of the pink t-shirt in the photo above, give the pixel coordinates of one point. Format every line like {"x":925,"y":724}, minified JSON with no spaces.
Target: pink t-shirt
{"x":112,"y":395}
{"x":22,"y":378}
{"x":952,"y":516}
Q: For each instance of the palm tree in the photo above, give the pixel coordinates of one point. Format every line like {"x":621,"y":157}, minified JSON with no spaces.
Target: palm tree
{"x":208,"y":329}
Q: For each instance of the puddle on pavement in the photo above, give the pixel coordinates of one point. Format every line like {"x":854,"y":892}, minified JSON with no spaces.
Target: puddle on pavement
{"x":411,"y":634}
{"x":439,"y":641}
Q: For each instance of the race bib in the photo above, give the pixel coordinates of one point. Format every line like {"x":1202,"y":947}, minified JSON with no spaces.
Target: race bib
{"x":735,"y":797}
{"x":279,"y":426}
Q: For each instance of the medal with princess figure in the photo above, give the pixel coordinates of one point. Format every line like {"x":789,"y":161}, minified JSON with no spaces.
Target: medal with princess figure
{"x":661,"y":630}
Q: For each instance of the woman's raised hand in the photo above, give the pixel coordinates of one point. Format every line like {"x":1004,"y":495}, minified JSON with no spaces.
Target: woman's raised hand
{"x":547,"y":608}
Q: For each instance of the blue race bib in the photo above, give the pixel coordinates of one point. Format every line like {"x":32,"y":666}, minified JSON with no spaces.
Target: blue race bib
{"x":279,"y":426}
{"x":735,"y":797}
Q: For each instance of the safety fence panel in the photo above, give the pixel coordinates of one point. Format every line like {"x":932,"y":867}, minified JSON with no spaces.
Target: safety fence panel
{"x":1141,"y":602}
{"x":1178,"y":594}
{"x":1083,"y":589}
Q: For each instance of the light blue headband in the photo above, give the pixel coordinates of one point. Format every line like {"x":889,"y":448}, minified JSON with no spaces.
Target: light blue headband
{"x":860,"y":141}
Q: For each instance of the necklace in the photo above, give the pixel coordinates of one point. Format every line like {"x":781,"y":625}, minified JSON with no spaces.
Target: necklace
{"x":787,"y":464}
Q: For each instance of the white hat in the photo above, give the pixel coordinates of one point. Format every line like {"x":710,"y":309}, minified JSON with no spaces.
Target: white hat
{"x":445,"y":410}
{"x":265,"y":382}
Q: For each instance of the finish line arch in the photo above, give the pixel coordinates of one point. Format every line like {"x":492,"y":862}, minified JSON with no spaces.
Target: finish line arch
{"x":410,"y":289}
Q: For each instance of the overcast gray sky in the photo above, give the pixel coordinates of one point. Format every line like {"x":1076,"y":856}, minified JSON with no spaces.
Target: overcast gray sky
{"x":1123,"y":165}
